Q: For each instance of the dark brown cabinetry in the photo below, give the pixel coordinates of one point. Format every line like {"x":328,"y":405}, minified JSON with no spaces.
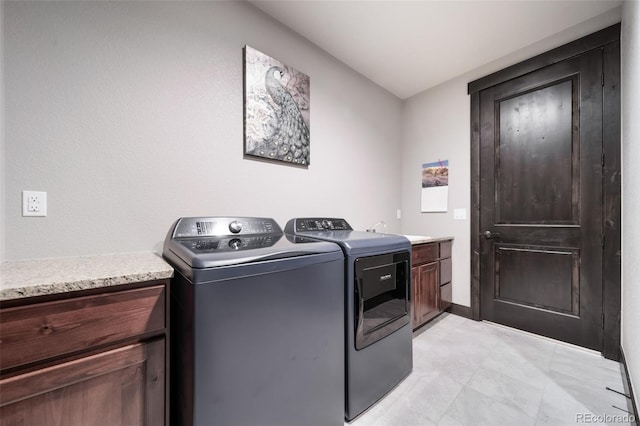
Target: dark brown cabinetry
{"x":425,"y":292}
{"x":87,"y":360}
{"x":431,"y":280}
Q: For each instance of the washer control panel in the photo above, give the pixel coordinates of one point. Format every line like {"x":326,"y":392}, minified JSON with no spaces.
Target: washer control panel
{"x":229,"y":243}
{"x":220,"y":226}
{"x":311,"y":224}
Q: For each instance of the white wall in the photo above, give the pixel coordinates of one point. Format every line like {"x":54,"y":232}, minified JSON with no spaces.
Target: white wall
{"x":129,"y":114}
{"x":436,"y":126}
{"x":630,"y":50}
{"x":2,"y":156}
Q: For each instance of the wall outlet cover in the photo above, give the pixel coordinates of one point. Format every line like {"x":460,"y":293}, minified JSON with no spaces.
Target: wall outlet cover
{"x":34,"y":203}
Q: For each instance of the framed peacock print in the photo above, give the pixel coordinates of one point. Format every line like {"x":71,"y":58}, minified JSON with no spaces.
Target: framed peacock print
{"x":276,"y":110}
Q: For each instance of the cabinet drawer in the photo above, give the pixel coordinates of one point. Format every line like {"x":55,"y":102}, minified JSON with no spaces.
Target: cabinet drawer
{"x":445,"y":271}
{"x":424,"y":253}
{"x":445,"y":296}
{"x":43,"y":330}
{"x":445,"y":249}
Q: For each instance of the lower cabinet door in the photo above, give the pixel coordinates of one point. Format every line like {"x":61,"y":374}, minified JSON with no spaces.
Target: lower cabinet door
{"x":426,"y":293}
{"x":429,"y":291}
{"x":124,"y":386}
{"x":445,"y":296}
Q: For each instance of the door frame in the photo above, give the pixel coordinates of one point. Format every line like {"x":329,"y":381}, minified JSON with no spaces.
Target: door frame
{"x":608,"y":41}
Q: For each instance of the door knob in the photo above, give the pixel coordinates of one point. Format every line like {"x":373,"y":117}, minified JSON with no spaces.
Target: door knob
{"x":491,"y":235}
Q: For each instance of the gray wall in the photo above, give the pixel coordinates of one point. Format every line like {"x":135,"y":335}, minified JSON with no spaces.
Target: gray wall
{"x":129,"y":114}
{"x":630,"y":45}
{"x":436,"y":126}
{"x":2,"y":176}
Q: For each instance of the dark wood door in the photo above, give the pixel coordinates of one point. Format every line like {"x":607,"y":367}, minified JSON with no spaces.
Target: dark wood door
{"x":541,"y":201}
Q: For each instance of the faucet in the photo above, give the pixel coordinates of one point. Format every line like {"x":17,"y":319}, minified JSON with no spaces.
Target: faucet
{"x":373,"y":228}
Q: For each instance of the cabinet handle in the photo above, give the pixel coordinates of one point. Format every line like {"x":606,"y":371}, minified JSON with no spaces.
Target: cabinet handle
{"x":46,"y":329}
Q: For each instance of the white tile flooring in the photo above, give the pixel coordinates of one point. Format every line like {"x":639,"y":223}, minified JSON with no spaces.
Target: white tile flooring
{"x":477,"y":373}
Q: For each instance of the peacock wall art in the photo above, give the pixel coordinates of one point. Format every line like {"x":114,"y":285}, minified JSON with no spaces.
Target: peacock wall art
{"x":276,"y":116}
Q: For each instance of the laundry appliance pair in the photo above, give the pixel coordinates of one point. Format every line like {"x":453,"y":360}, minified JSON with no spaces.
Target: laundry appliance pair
{"x":307,"y":326}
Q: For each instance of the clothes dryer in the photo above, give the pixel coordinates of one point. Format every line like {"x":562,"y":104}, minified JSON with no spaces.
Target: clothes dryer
{"x":378,"y":335}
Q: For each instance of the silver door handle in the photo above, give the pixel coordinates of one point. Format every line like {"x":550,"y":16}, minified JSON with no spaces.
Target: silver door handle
{"x":491,"y":235}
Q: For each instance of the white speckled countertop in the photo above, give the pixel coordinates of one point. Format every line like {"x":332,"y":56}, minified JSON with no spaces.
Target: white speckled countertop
{"x":27,"y":278}
{"x":421,"y":239}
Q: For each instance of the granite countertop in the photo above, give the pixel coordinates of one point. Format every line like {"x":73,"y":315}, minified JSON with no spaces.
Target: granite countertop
{"x":37,"y":277}
{"x":28,"y":278}
{"x":421,"y":239}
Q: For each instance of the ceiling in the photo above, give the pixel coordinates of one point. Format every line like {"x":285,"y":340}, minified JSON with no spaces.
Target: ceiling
{"x":409,"y":46}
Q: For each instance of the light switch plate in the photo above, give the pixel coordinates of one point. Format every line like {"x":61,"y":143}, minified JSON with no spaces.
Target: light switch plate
{"x":460,"y":214}
{"x":34,"y":203}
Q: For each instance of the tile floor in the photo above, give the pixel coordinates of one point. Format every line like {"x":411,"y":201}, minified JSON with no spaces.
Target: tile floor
{"x":477,"y":373}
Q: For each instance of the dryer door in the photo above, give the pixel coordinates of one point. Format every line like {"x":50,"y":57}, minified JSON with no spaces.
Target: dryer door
{"x":382,"y":296}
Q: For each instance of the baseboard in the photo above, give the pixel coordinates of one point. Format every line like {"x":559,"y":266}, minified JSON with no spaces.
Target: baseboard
{"x":628,"y":388}
{"x":460,"y":310}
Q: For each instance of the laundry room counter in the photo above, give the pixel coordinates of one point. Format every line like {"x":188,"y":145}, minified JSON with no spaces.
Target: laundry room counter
{"x":421,"y":239}
{"x":86,"y":323}
{"x":38,"y":277}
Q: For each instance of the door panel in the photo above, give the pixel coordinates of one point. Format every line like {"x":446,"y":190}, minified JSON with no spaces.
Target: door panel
{"x":534,"y":156}
{"x":541,"y":201}
{"x":544,"y":278}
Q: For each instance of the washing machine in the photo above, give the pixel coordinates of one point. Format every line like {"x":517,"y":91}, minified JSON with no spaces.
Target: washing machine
{"x":377,"y":315}
{"x":257,"y":336}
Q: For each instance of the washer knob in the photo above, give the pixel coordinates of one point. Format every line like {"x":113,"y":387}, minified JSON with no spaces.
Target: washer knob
{"x":235,"y":227}
{"x":235,"y":243}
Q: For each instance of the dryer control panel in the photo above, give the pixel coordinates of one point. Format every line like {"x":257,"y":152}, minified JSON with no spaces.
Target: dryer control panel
{"x":311,"y":224}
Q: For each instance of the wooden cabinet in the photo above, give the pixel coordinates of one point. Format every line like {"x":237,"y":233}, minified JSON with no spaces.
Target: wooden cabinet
{"x":426,"y":293}
{"x":89,"y":360}
{"x":431,"y":280}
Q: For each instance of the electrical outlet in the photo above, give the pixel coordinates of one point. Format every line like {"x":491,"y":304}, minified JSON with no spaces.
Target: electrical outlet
{"x":34,"y":203}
